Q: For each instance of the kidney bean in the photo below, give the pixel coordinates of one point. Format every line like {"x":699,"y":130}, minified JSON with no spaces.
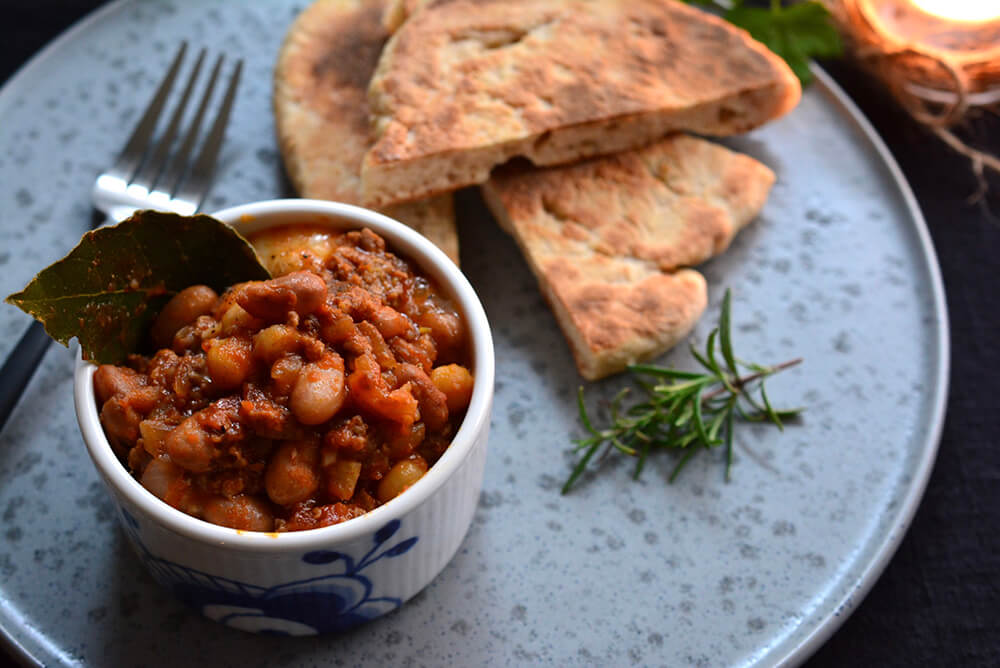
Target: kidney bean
{"x":239,"y":512}
{"x":301,"y":291}
{"x":194,"y":443}
{"x":110,"y":380}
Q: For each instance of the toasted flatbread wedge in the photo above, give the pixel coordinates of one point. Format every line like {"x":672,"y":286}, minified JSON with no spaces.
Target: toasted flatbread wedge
{"x":616,"y":311}
{"x":321,"y":114}
{"x":609,"y":239}
{"x":465,"y":85}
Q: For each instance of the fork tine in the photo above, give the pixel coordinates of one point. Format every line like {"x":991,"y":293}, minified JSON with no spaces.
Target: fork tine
{"x":174,"y":174}
{"x":130,"y":157}
{"x":153,"y":167}
{"x":196,"y":185}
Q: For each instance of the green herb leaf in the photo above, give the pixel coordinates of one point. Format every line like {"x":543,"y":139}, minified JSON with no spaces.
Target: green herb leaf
{"x":684,"y":411}
{"x":796,"y":33}
{"x":699,"y":422}
{"x":583,"y":412}
{"x":107,"y":291}
{"x":660,"y":371}
{"x":769,"y":409}
{"x":725,"y":336}
{"x":581,"y":466}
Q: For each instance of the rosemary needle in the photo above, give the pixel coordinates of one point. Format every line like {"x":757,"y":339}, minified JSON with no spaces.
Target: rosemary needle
{"x":685,"y":411}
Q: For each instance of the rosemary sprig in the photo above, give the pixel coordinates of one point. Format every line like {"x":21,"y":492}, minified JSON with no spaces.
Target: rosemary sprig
{"x":685,"y":410}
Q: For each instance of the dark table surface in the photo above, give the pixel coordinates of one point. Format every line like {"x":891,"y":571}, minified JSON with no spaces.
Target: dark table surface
{"x":938,"y":601}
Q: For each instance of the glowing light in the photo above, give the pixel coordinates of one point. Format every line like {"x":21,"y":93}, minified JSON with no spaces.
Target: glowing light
{"x":961,"y":10}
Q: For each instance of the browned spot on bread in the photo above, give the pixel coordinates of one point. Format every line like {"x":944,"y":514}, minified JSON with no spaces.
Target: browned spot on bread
{"x":321,"y":110}
{"x":353,"y":49}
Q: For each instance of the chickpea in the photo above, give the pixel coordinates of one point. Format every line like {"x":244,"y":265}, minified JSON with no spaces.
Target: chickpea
{"x":235,"y":319}
{"x":239,"y":512}
{"x":272,"y":342}
{"x":228,"y":361}
{"x":293,"y":472}
{"x":456,"y":383}
{"x":182,"y":309}
{"x":403,"y":442}
{"x":342,"y":478}
{"x":401,"y":477}
{"x":445,"y":327}
{"x":319,"y":390}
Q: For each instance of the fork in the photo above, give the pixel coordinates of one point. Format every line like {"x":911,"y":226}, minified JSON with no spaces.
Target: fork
{"x":144,"y":176}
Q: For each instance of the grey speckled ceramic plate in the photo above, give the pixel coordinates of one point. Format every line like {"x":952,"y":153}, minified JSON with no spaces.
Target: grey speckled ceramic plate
{"x":838,"y":269}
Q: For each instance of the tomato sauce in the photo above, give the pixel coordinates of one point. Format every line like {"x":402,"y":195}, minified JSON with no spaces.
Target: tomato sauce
{"x":297,"y":402}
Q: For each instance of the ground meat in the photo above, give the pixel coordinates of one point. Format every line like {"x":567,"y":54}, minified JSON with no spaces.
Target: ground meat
{"x":298,"y":402}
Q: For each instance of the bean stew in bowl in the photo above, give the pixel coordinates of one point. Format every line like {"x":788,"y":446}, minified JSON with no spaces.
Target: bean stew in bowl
{"x":287,"y":431}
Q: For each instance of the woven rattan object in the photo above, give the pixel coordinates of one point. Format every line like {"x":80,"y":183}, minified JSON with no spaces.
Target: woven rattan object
{"x":941,"y":71}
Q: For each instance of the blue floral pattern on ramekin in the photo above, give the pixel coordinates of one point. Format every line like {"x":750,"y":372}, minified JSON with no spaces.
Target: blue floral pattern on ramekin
{"x":330,"y":601}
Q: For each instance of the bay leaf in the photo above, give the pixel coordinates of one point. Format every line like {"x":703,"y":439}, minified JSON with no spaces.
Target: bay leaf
{"x":109,"y":288}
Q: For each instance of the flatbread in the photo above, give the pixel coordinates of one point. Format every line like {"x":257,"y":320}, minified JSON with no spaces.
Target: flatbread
{"x":321,"y":113}
{"x":397,"y":11}
{"x":610,"y":240}
{"x":465,"y":85}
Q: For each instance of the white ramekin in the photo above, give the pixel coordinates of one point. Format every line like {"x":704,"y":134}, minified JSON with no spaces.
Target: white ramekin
{"x":327,"y":579}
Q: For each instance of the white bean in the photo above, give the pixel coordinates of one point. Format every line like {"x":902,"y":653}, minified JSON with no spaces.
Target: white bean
{"x":319,"y":390}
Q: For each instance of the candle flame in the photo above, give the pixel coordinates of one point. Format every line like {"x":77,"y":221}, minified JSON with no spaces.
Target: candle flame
{"x":961,"y":10}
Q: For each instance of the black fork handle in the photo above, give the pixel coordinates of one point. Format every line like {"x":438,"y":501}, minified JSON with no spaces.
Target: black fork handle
{"x":21,"y":363}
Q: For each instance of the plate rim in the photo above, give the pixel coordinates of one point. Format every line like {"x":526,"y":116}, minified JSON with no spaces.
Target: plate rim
{"x":907,"y":508}
{"x":903,"y":515}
